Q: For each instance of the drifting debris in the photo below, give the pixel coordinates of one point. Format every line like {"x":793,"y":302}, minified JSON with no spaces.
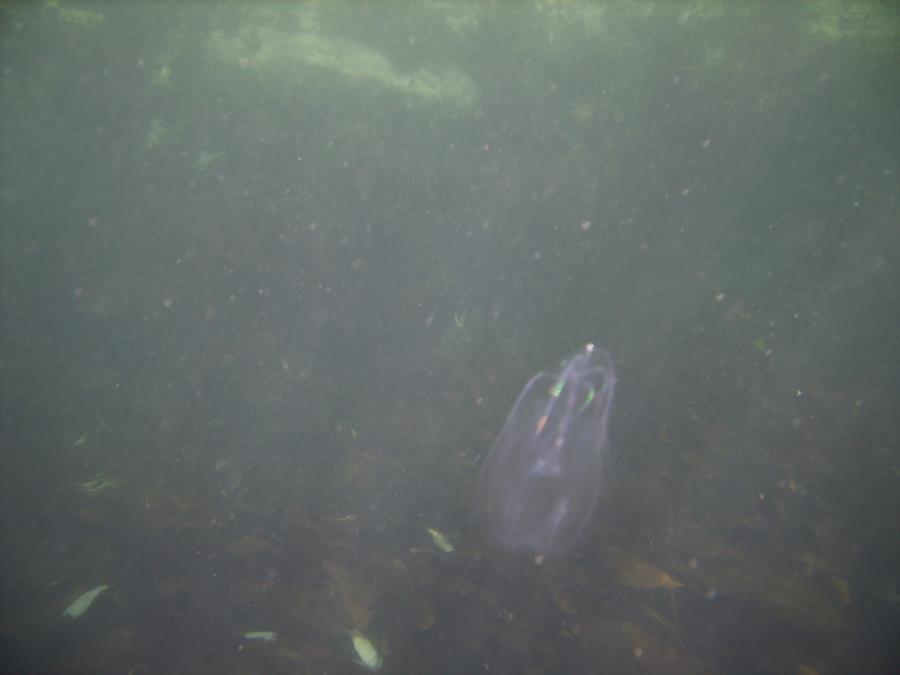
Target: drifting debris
{"x":366,"y":654}
{"x":441,"y":540}
{"x":97,"y":485}
{"x":83,"y":603}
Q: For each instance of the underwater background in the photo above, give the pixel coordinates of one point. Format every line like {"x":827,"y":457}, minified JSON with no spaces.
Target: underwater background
{"x":273,"y":276}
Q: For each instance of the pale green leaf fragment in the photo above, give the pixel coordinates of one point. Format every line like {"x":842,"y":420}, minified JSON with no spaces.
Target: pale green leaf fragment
{"x":366,"y":654}
{"x":264,"y":635}
{"x":441,"y":540}
{"x":83,"y":603}
{"x":97,"y":485}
